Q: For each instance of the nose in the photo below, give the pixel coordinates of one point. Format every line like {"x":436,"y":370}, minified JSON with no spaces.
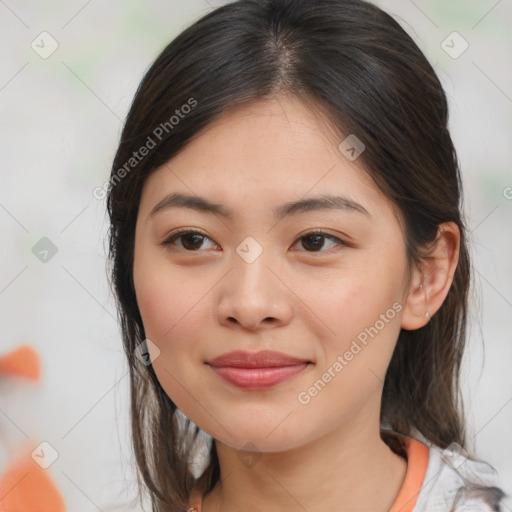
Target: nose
{"x":253,"y":295}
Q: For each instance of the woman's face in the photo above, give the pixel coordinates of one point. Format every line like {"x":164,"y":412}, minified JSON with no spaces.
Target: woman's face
{"x":252,"y":280}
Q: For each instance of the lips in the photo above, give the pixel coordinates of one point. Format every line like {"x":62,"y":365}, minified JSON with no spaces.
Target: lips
{"x":262,"y":359}
{"x":257,"y":370}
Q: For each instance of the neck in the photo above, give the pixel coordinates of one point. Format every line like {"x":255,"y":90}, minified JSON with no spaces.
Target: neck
{"x":349,"y":468}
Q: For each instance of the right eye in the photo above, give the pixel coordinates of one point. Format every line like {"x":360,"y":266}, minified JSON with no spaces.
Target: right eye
{"x":192,"y":239}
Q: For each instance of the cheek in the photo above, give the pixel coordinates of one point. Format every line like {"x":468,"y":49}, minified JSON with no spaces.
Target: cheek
{"x":174,"y":304}
{"x":364,"y":322}
{"x":166,"y":304}
{"x":360,"y":317}
{"x":158,"y":290}
{"x":348,"y":301}
{"x":170,"y":315}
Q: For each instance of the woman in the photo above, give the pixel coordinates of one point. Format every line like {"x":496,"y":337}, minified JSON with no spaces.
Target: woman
{"x":290,"y":263}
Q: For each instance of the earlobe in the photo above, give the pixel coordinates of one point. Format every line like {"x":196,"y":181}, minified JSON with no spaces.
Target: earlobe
{"x":431,"y":283}
{"x":417,"y":312}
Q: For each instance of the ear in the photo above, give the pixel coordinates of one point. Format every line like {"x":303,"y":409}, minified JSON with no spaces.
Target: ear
{"x":431,"y":283}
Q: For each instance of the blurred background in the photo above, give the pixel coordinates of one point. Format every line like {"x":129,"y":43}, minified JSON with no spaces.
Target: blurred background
{"x":68,"y":73}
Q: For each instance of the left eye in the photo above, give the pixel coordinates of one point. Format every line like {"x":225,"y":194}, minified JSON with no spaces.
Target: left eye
{"x":193,"y":240}
{"x":316,"y":240}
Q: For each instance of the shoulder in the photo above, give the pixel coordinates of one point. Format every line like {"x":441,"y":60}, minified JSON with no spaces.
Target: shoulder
{"x":452,"y":479}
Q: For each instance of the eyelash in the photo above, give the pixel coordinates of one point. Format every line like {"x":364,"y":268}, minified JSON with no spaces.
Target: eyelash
{"x":189,"y":231}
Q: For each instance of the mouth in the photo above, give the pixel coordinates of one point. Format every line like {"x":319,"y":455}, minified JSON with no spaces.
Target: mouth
{"x":257,"y":370}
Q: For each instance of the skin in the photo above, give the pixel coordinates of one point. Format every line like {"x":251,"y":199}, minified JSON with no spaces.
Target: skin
{"x":309,"y":303}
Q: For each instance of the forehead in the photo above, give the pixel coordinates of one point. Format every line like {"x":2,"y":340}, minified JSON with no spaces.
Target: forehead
{"x":265,"y":153}
{"x":285,"y":127}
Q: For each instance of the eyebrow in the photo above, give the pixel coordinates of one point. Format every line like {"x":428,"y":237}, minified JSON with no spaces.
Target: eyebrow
{"x":201,"y":204}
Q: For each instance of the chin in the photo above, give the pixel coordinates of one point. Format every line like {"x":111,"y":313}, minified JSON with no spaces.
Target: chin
{"x":254,"y":438}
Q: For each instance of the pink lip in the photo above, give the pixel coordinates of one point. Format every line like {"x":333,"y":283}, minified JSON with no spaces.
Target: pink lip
{"x":256,"y":370}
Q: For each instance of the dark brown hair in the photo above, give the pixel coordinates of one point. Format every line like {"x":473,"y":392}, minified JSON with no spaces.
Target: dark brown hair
{"x":367,"y":77}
